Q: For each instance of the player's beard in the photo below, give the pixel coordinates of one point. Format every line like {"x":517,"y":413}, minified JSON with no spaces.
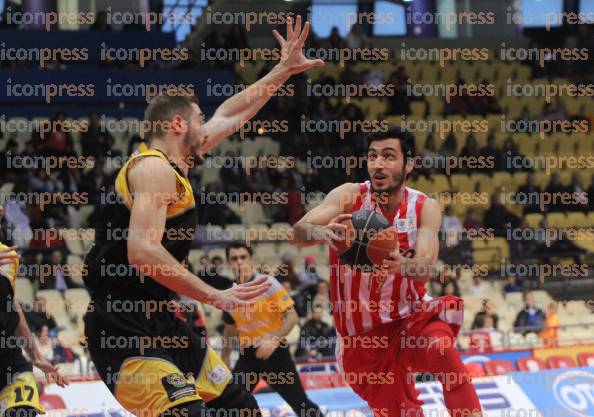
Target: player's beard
{"x":397,"y":183}
{"x":193,"y":158}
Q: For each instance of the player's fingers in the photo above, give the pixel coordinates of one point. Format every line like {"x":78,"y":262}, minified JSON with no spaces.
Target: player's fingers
{"x":341,"y":217}
{"x":289,"y":29}
{"x":251,"y":294}
{"x":257,"y":281}
{"x":304,"y":33}
{"x":297,"y":31}
{"x":279,"y":38}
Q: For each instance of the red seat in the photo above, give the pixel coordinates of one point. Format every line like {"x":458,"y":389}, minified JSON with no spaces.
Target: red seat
{"x":531,"y":364}
{"x":475,"y":369}
{"x":316,"y":380}
{"x":499,"y":367}
{"x":561,"y":361}
{"x":586,"y":358}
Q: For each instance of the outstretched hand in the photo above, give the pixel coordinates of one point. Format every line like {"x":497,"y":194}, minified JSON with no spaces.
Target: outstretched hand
{"x":292,"y":56}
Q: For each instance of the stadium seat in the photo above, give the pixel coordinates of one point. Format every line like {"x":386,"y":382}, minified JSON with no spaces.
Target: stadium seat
{"x":261,"y":387}
{"x":586,"y":358}
{"x":475,"y":369}
{"x":531,"y":364}
{"x":499,"y":367}
{"x":52,"y":402}
{"x":24,"y":290}
{"x":533,"y":220}
{"x":561,"y":361}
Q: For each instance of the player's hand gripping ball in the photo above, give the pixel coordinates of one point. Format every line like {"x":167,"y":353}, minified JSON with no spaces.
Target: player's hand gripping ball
{"x":369,"y":239}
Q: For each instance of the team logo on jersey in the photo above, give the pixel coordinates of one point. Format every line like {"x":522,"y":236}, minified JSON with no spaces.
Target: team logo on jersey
{"x":219,"y":374}
{"x":405,"y":225}
{"x":177,"y":387}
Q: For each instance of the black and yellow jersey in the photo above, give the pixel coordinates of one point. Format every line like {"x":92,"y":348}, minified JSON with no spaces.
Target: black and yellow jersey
{"x":108,"y":272}
{"x":9,"y":318}
{"x":263,"y":316}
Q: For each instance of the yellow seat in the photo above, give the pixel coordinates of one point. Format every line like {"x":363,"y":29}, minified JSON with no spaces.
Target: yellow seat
{"x":533,"y":220}
{"x":557,"y":220}
{"x":577,"y":220}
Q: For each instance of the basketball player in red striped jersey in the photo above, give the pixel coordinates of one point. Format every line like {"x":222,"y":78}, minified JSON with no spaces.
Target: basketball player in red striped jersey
{"x":389,"y":327}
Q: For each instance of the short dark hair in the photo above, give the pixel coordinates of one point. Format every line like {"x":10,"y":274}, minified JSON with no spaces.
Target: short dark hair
{"x":238,"y":244}
{"x":163,"y":107}
{"x":407,"y":140}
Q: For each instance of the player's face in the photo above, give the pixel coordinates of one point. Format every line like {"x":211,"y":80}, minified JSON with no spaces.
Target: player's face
{"x":240,"y":263}
{"x":196,"y":135}
{"x":386,"y":165}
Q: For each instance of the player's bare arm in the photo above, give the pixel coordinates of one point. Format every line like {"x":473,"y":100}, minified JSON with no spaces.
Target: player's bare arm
{"x":153,"y":184}
{"x":52,"y":374}
{"x":229,"y":337}
{"x":422,"y":266}
{"x":322,"y":223}
{"x":240,"y":108}
{"x":271,"y":341}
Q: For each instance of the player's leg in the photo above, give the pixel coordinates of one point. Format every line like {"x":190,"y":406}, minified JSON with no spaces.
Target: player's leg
{"x":246,"y":371}
{"x":152,"y":387}
{"x":287,"y":383}
{"x":20,"y":397}
{"x":443,"y":360}
{"x":236,"y":401}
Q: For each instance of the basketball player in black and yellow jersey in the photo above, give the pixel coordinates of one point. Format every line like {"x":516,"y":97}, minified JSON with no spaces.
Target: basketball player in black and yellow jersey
{"x":262,"y":327}
{"x":151,"y":361}
{"x":18,"y":390}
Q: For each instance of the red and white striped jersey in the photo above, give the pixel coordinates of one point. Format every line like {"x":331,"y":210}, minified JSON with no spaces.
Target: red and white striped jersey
{"x":362,"y":301}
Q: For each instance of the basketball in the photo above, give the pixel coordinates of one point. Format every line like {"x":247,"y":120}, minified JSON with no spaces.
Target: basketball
{"x":370,"y":238}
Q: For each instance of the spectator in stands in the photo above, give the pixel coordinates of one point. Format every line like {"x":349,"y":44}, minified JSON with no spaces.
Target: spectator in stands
{"x":472,"y":221}
{"x":60,"y":139}
{"x":450,"y":287}
{"x":469,"y":150}
{"x":449,"y":146}
{"x":498,"y":218}
{"x":317,"y":338}
{"x":579,"y":195}
{"x":552,"y":323}
{"x":322,"y":298}
{"x":96,"y":141}
{"x":528,"y":195}
{"x":451,"y":227}
{"x":356,"y":39}
{"x":487,"y":311}
{"x":557,"y":192}
{"x":286,"y":271}
{"x":336,"y":41}
{"x":491,"y":152}
{"x":530,"y":316}
{"x":511,"y":284}
{"x":479,"y":288}
{"x":508,"y":155}
{"x":59,"y":278}
{"x":309,"y":277}
{"x":39,"y":316}
{"x":45,"y":344}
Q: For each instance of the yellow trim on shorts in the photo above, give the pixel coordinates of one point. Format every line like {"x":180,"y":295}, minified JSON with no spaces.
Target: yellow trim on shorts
{"x":24,"y":386}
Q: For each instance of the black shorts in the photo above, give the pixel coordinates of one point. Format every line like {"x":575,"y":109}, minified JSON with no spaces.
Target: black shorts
{"x":152,"y":365}
{"x":12,"y":362}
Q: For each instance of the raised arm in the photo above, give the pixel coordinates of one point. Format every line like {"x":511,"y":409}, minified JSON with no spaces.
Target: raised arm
{"x":322,"y":223}
{"x":153,"y":183}
{"x":237,"y":110}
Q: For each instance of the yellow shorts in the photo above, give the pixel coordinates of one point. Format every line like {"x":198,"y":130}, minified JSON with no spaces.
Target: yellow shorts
{"x":21,"y":392}
{"x":147,"y":387}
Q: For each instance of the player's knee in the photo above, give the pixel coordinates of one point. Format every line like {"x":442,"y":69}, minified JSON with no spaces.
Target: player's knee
{"x":21,"y":412}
